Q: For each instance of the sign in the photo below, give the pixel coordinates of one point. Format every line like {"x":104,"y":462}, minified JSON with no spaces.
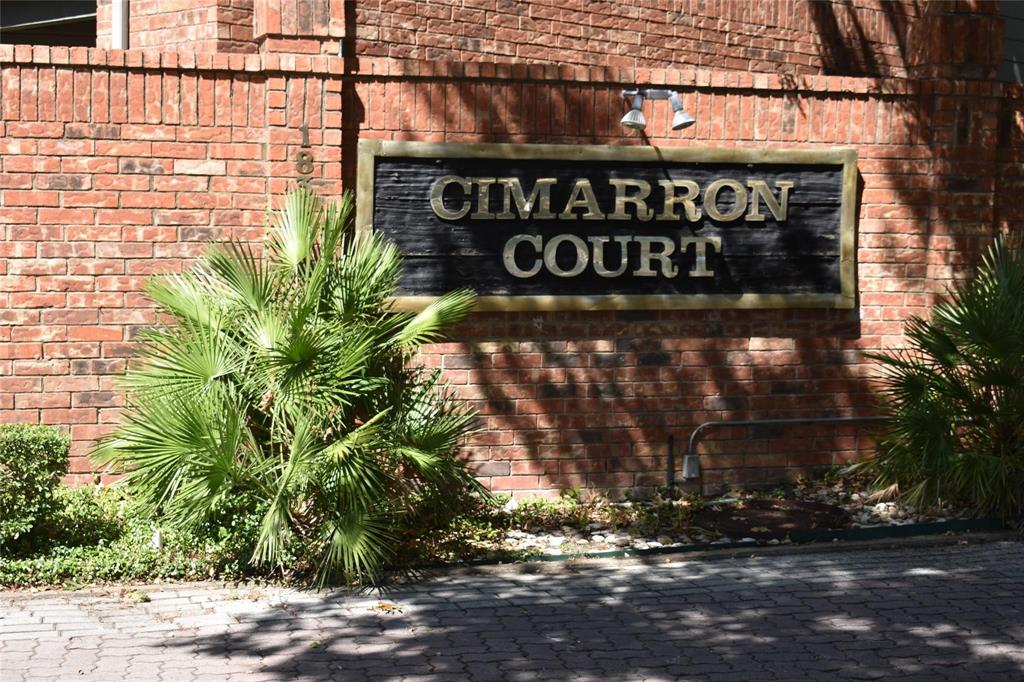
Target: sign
{"x":558,"y":227}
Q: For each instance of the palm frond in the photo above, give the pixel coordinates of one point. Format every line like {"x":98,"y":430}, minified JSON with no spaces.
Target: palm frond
{"x":245,"y":278}
{"x":294,"y":230}
{"x":367,"y":274}
{"x":180,"y":455}
{"x":189,"y":297}
{"x":433,"y":322}
{"x":362,"y":436}
{"x":189,"y":359}
{"x":356,"y":545}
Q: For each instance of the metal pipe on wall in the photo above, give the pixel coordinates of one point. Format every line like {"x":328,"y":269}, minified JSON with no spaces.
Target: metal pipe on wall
{"x":691,"y":461}
{"x":119,"y":24}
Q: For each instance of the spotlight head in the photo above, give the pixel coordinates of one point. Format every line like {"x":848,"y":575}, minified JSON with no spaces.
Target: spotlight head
{"x":680,"y":119}
{"x":634,"y":118}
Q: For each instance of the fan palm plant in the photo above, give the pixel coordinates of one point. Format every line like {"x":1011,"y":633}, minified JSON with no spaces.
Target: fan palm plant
{"x":285,"y":377}
{"x":955,"y":397}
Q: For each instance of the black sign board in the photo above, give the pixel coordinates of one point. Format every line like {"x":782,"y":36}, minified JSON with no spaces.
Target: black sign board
{"x":532,"y":227}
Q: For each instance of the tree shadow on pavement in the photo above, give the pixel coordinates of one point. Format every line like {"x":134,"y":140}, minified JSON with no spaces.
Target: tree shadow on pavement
{"x":941,"y":613}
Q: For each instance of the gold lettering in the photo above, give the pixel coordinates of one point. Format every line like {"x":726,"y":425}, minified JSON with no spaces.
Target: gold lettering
{"x":508,"y":255}
{"x":667,"y":267}
{"x":643,"y":190}
{"x":598,"y":259}
{"x":690,"y":209}
{"x":711,"y":199}
{"x":551,"y":249}
{"x":537,"y":205}
{"x":779,"y":208}
{"x":582,"y":196}
{"x":437,"y":197}
{"x":700,"y":265}
{"x":483,"y":199}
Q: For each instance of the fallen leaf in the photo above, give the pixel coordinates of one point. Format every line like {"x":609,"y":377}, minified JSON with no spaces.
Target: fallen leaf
{"x":386,"y":607}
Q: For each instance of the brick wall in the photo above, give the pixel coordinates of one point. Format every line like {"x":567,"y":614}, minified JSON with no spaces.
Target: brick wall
{"x":190,"y":25}
{"x":882,"y":38}
{"x":117,"y":165}
{"x":793,"y":36}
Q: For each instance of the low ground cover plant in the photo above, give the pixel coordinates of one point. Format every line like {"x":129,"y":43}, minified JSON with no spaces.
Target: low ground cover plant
{"x":99,"y":535}
{"x":282,"y":381}
{"x":955,"y":396}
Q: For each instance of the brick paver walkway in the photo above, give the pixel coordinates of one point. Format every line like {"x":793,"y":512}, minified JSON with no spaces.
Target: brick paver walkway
{"x":953,"y":612}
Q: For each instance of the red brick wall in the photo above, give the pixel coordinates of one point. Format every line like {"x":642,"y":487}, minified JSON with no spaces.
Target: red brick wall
{"x":889,"y":38}
{"x":190,"y":25}
{"x":790,"y":36}
{"x":117,"y":165}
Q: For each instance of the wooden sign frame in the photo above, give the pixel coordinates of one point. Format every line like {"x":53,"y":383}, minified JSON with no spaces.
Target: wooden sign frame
{"x":370,"y":150}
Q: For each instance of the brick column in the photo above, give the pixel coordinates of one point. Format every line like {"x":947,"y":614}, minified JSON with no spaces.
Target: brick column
{"x":305,"y":26}
{"x":960,"y":39}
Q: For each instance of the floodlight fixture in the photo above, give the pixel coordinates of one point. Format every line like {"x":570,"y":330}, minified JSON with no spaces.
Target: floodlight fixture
{"x":680,"y":119}
{"x":634,"y":118}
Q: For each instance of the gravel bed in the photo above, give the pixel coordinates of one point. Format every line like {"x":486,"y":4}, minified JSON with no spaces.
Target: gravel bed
{"x":602,"y":537}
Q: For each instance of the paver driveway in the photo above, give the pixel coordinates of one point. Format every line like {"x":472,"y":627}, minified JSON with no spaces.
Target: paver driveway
{"x":952,"y":612}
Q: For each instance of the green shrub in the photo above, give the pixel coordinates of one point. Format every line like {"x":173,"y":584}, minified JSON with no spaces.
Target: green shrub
{"x":32,"y":460}
{"x":84,"y":516}
{"x":956,"y":396}
{"x":286,"y":379}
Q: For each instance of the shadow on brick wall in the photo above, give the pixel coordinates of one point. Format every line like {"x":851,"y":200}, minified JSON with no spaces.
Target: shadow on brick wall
{"x":584,"y":399}
{"x":589,"y":399}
